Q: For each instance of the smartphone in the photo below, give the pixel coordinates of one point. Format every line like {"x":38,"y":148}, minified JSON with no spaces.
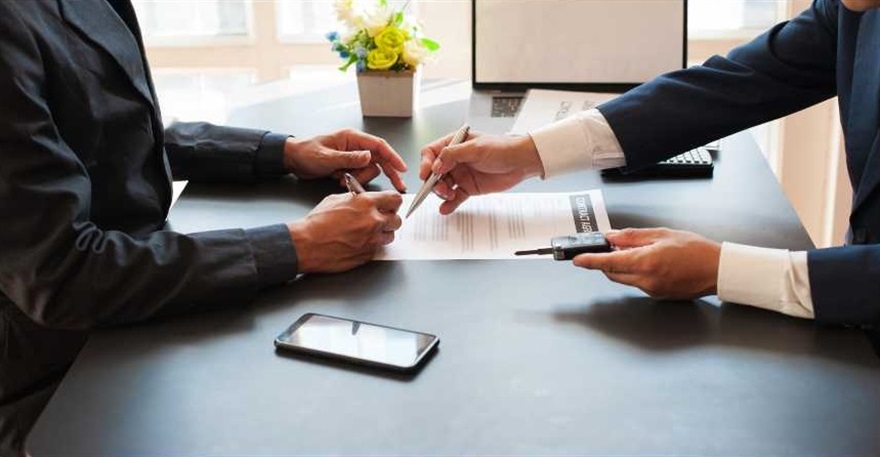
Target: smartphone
{"x":358,"y":342}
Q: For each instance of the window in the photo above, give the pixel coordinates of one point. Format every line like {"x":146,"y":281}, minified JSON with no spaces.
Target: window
{"x":305,"y":21}
{"x":308,"y":21}
{"x":733,"y":18}
{"x":167,"y":22}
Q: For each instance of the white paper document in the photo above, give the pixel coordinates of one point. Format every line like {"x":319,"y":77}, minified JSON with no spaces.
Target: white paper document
{"x":494,"y":226}
{"x":542,"y":107}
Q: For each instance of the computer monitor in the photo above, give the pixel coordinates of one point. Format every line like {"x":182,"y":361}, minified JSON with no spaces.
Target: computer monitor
{"x":593,"y":45}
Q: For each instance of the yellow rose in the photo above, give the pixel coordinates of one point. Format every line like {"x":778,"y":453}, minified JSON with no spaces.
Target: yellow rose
{"x":391,"y":38}
{"x":381,"y":59}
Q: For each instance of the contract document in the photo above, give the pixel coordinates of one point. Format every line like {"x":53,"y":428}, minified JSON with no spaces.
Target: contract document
{"x":494,"y":226}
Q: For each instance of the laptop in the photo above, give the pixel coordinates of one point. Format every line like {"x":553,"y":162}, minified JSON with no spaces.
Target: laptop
{"x":595,"y":46}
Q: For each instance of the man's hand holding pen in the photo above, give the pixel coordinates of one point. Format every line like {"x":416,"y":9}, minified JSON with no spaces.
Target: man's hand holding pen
{"x":481,"y":164}
{"x":345,"y":230}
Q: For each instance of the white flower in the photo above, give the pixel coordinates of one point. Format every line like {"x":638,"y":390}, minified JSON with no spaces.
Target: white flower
{"x":414,"y":53}
{"x":376,"y":20}
{"x":349,"y":12}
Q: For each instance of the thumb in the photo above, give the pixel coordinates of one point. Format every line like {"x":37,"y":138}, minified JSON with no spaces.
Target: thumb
{"x":452,"y":156}
{"x":349,"y":159}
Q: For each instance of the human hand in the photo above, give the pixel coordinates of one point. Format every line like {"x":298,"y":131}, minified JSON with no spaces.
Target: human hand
{"x":482,"y":164}
{"x":661,"y":262}
{"x":363,"y":155}
{"x":345,"y":230}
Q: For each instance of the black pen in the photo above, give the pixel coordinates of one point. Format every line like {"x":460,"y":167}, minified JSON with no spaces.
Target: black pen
{"x":353,"y":185}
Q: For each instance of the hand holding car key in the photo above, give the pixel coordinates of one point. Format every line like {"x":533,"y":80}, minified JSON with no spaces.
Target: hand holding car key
{"x":568,"y":246}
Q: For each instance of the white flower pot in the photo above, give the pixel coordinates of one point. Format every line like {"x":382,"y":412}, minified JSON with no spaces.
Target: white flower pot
{"x":388,"y":93}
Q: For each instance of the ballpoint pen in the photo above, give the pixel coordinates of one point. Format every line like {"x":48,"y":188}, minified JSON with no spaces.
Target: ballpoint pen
{"x":353,"y":185}
{"x":459,"y":137}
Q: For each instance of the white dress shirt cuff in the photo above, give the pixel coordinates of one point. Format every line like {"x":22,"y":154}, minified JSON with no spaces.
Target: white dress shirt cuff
{"x":579,"y":142}
{"x":773,"y":279}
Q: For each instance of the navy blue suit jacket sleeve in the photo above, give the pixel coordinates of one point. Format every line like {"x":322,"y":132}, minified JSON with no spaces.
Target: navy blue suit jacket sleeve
{"x":788,"y":68}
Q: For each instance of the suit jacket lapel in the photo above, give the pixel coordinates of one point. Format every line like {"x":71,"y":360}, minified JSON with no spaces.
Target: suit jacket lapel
{"x":862,"y":128}
{"x":99,"y":23}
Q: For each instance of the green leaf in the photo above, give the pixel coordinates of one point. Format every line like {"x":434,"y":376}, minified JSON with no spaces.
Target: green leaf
{"x":398,"y":18}
{"x":351,"y":59}
{"x":430,"y":44}
{"x":383,"y":3}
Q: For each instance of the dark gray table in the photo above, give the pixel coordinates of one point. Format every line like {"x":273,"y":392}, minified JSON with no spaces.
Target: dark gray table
{"x":536,"y":358}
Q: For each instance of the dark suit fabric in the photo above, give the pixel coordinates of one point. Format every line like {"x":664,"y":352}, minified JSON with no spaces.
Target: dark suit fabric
{"x":85,"y":188}
{"x":825,"y":51}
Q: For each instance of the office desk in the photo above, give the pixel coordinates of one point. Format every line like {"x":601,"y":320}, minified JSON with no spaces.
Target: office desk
{"x":536,"y":357}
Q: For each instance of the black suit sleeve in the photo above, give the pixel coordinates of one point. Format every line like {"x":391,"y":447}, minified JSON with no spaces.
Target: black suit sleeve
{"x":65,"y":271}
{"x":200,"y":151}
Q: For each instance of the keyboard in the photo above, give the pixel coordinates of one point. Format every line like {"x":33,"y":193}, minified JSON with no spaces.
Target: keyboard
{"x":696,"y":163}
{"x":506,"y":106}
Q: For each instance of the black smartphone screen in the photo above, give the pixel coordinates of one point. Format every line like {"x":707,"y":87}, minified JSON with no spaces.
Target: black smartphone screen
{"x":356,"y":341}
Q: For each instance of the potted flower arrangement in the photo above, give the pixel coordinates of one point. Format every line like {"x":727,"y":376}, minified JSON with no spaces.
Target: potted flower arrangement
{"x":386,"y":47}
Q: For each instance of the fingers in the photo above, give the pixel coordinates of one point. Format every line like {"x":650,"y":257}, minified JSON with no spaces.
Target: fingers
{"x":366,"y":174}
{"x":386,"y":202}
{"x":630,"y":238}
{"x":383,"y":154}
{"x":452,"y":156}
{"x":445,"y":188}
{"x":425,"y":166}
{"x":348,"y":159}
{"x":393,"y":222}
{"x":384,"y":238}
{"x":617,"y":262}
{"x":384,"y":151}
{"x":457,"y":197}
{"x":429,"y":155}
{"x":393,"y":176}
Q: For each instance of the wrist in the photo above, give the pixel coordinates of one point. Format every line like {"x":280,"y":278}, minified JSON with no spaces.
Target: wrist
{"x":527,"y":151}
{"x":714,"y":266}
{"x":299,"y":235}
{"x":292,"y":151}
